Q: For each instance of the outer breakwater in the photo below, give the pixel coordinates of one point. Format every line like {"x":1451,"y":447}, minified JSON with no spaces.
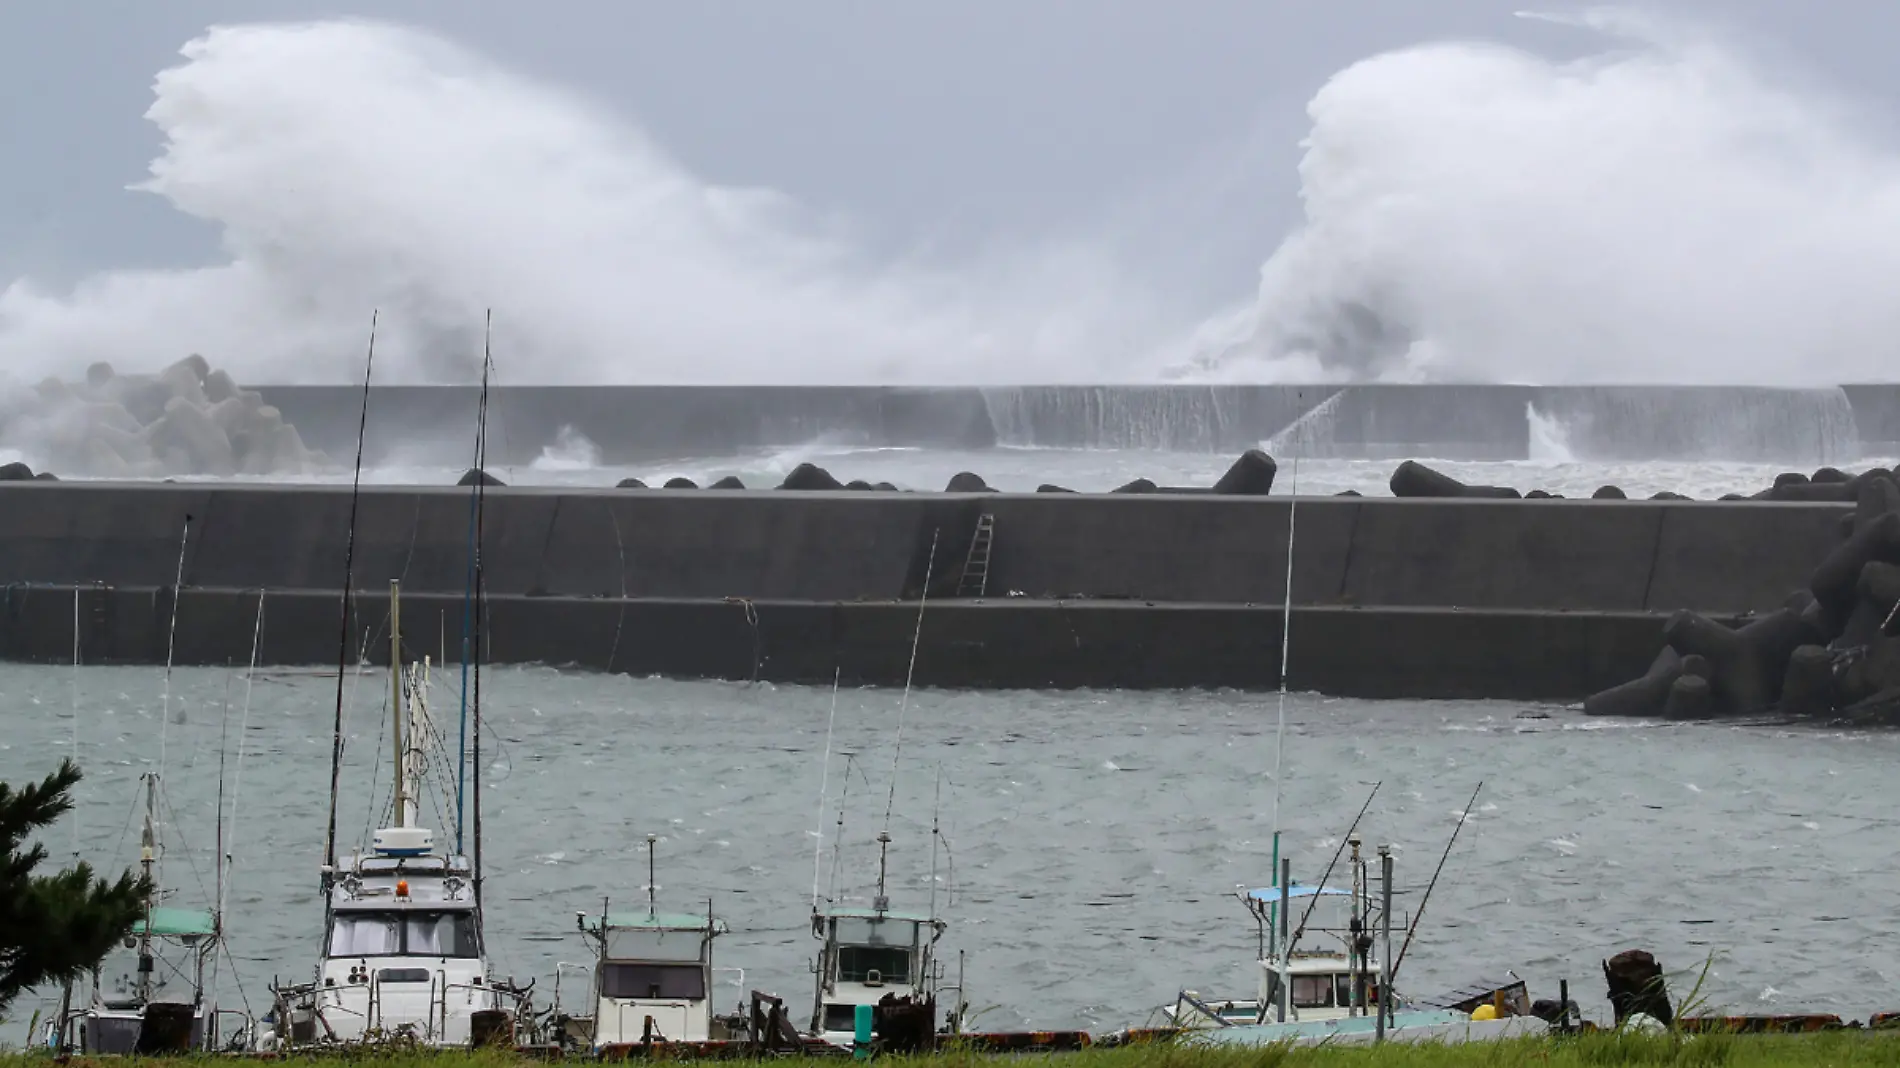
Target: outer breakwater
{"x":1393,"y":598}
{"x":630,"y":423}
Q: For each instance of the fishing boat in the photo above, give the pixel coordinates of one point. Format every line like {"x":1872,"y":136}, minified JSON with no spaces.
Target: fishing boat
{"x":881,"y":962}
{"x":404,"y":958}
{"x":151,"y":997}
{"x":652,"y":978}
{"x":1339,"y":992}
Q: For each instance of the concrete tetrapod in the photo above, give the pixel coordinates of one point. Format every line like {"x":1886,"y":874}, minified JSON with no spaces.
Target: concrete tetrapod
{"x":1414,"y":479}
{"x":1807,"y":688}
{"x":1835,"y":582}
{"x":1690,"y":697}
{"x":1251,"y":474}
{"x":809,"y":476}
{"x":967,"y":482}
{"x":1640,"y":697}
{"x":1876,"y":595}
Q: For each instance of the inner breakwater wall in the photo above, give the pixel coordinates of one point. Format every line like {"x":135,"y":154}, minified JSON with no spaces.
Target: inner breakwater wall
{"x":1397,"y":598}
{"x":434,"y":424}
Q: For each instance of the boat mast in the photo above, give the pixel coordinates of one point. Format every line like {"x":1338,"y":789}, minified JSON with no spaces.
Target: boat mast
{"x":148,"y":860}
{"x":882,"y":901}
{"x":403,"y":805}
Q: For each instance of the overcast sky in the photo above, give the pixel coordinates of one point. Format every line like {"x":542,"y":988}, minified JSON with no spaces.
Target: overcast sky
{"x":922,"y":122}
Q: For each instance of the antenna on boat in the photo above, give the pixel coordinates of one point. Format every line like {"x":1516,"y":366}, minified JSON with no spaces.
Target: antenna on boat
{"x":916,"y":638}
{"x":882,"y":901}
{"x":936,"y":832}
{"x":652,"y":879}
{"x":837,"y":840}
{"x":1429,"y":887}
{"x":395,"y":697}
{"x":171,"y":644}
{"x":343,"y":637}
{"x":468,"y":592}
{"x":1300,"y":931}
{"x":824,"y":793}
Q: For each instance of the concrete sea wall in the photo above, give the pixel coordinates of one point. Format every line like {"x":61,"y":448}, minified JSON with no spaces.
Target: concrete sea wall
{"x":1395,"y":598}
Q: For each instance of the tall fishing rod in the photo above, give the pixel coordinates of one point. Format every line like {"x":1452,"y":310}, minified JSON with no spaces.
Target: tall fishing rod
{"x":244,"y":726}
{"x":916,"y":638}
{"x":468,"y":589}
{"x":343,"y":636}
{"x":824,"y":793}
{"x":1328,"y":873}
{"x":481,"y":500}
{"x":1286,"y":646}
{"x":1423,"y":901}
{"x":171,"y":645}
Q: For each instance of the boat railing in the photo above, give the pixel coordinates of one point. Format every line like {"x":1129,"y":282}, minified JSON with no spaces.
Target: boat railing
{"x":241,"y":1038}
{"x":1190,"y":999}
{"x":561,"y":968}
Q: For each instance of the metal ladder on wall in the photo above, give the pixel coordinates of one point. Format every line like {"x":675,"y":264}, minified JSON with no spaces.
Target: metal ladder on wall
{"x":976,"y":566}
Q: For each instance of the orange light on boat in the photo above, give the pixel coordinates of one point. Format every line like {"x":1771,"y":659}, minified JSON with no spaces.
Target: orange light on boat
{"x":402,"y":888}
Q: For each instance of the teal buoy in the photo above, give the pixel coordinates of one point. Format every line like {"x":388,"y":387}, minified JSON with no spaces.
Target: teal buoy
{"x":861,"y":1040}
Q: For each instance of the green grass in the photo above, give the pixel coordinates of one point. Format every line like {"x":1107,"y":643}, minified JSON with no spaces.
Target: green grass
{"x":1607,"y":1050}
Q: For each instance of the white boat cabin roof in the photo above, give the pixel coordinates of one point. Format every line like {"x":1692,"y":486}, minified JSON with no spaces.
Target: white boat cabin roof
{"x":663,"y":921}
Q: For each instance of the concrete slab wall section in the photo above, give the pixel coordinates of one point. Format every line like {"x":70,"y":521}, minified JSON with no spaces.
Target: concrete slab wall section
{"x":1569,"y":555}
{"x":1739,"y":556}
{"x":1167,"y":548}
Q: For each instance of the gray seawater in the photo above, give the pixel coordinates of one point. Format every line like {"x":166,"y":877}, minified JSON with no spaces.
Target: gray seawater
{"x":1094,"y":840}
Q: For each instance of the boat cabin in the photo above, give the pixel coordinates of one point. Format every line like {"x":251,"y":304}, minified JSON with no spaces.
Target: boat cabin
{"x":150,"y":998}
{"x":653,"y":979}
{"x":402,"y":951}
{"x":869,"y":955}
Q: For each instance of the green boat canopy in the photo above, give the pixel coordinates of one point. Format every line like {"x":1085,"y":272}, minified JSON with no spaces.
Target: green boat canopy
{"x":179,"y":923}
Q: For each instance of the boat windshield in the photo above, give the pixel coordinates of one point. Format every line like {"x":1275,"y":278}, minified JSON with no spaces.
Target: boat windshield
{"x":1312,"y":991}
{"x":671,"y":981}
{"x":407,"y":933}
{"x":856,"y":963}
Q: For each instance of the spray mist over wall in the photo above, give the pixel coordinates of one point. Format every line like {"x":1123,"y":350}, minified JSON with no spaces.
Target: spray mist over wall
{"x":358,"y":165}
{"x":1661,"y":212}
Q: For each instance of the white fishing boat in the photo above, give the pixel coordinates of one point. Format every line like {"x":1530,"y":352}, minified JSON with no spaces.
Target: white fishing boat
{"x":652,"y":977}
{"x":404,"y":958}
{"x":151,"y":996}
{"x":1335,"y":993}
{"x":881,"y":960}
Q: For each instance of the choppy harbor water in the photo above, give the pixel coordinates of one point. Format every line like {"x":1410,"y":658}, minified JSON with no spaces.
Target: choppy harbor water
{"x":1094,"y":839}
